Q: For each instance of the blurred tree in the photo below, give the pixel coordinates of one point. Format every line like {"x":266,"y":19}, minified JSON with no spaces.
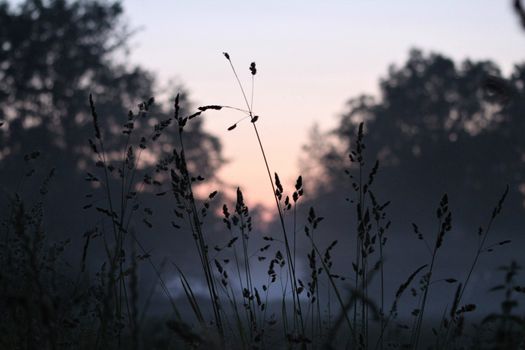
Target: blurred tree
{"x":53,"y":54}
{"x":439,"y":127}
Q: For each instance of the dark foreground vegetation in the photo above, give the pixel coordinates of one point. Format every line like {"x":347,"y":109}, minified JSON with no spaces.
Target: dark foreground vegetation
{"x":73,"y":160}
{"x":44,"y":307}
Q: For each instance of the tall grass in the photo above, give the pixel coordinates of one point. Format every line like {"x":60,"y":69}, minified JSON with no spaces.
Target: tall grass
{"x":329,"y":304}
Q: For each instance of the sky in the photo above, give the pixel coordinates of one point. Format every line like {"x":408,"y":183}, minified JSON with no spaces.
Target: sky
{"x":312,"y":56}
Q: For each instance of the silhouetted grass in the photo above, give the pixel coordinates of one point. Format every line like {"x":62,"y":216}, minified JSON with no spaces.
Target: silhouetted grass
{"x":322,"y":307}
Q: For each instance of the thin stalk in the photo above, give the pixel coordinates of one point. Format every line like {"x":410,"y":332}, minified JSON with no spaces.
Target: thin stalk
{"x":481,"y":247}
{"x":419,"y":322}
{"x":247,"y":273}
{"x":476,"y":258}
{"x":237,"y":264}
{"x":295,"y":296}
{"x":382,"y":277}
{"x":344,"y":308}
{"x":197,"y":229}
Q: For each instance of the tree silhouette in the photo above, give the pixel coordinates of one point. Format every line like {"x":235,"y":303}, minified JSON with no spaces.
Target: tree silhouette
{"x":53,"y":55}
{"x":440,"y":127}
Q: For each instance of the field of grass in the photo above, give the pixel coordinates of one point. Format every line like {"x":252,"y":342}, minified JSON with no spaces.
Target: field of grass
{"x":326,"y":307}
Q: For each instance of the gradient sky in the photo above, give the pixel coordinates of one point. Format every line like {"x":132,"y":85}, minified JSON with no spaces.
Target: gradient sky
{"x":312,"y":56}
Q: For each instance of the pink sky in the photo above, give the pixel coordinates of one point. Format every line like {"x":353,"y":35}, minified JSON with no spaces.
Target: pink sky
{"x":312,"y":56}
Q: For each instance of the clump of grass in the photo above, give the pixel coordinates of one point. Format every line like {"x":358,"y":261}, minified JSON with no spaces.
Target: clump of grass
{"x":444,"y":217}
{"x":277,"y":190}
{"x":41,"y":306}
{"x":504,"y":330}
{"x":101,"y":310}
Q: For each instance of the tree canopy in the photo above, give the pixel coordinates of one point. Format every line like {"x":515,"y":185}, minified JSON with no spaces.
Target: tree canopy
{"x":53,"y":55}
{"x":439,"y":127}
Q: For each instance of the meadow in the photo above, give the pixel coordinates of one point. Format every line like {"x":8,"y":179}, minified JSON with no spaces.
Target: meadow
{"x":304,"y":301}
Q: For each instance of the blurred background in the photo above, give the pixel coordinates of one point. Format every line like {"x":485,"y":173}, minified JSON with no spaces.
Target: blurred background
{"x":439,"y":85}
{"x":313,"y":57}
